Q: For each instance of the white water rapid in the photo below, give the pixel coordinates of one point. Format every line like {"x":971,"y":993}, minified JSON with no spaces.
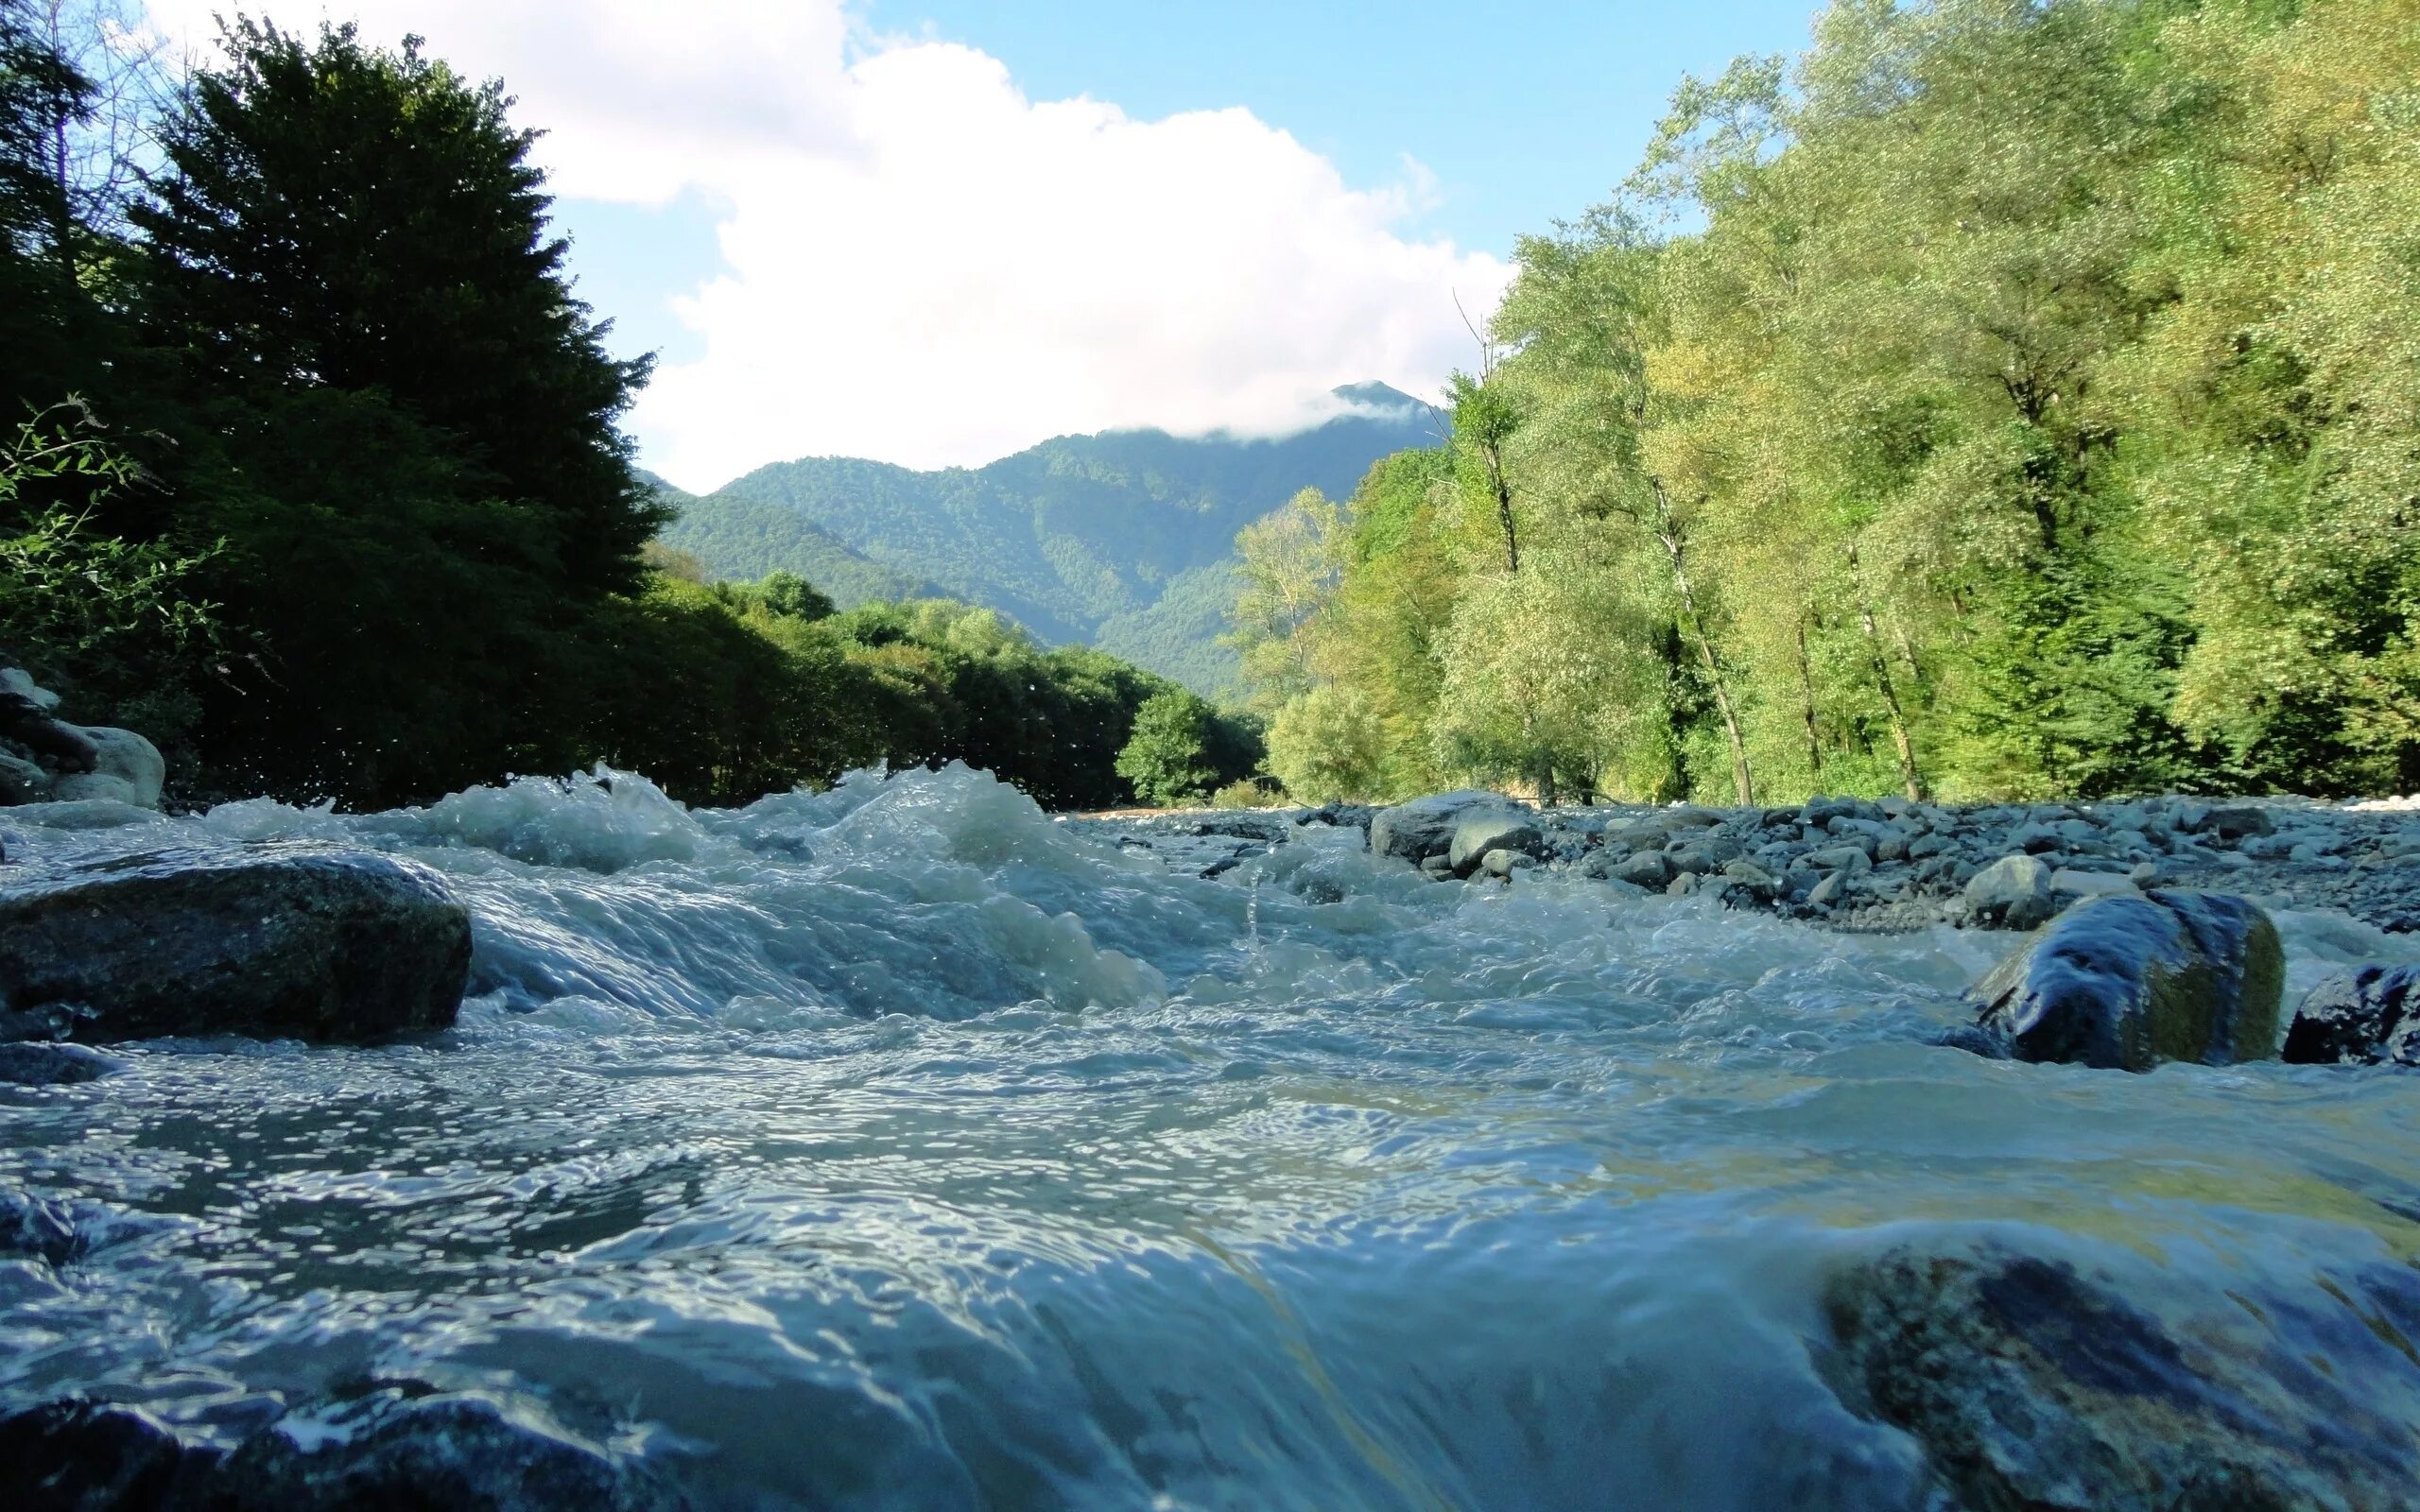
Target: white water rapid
{"x":902,"y":1146}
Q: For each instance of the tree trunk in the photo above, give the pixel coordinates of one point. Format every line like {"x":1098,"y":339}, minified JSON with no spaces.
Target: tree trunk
{"x":1806,"y":692}
{"x":1503,"y":507}
{"x":1668,"y":532}
{"x":1908,"y":777}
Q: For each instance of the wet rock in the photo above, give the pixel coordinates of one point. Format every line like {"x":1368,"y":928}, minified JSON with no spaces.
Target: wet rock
{"x":1479,"y":833}
{"x":1829,"y":892}
{"x":126,"y":767}
{"x":391,"y":1451}
{"x":32,"y":1063}
{"x":2012,"y":893}
{"x":1502,"y":863}
{"x":2030,"y":1385}
{"x":2232,"y":821}
{"x":2130,"y":982}
{"x":83,"y":1456}
{"x":1649,"y":869}
{"x":275,"y":940}
{"x":2369,"y":1017}
{"x":1413,"y":832}
{"x":35,"y":1227}
{"x":394,"y":1450}
{"x":1837,"y":858}
{"x":2068,"y":883}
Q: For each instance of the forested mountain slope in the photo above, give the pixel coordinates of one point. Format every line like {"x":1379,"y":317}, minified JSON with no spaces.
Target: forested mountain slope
{"x":1064,"y":536}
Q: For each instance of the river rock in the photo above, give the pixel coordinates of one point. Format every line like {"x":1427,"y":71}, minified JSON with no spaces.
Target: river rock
{"x":392,"y":1449}
{"x":276,"y":940}
{"x":2128,"y":982}
{"x":1413,"y":832}
{"x":33,"y":1063}
{"x":2359,"y":1018}
{"x":86,"y":1457}
{"x":127,"y":768}
{"x":2012,"y":893}
{"x":1480,"y":832}
{"x":2031,"y":1386}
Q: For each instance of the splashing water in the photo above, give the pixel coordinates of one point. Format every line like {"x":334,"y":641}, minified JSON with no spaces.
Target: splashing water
{"x":902,"y":1146}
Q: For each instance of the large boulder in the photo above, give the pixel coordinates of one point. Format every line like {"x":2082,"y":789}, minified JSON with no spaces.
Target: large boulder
{"x":2029,"y":1384}
{"x":278,"y":941}
{"x":2365,"y":1018}
{"x":2128,"y":982}
{"x":1413,"y":832}
{"x":1482,"y":831}
{"x":2013,"y":892}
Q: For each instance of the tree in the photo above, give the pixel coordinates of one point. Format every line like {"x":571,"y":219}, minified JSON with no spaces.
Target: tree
{"x":1167,"y":760}
{"x":338,"y":215}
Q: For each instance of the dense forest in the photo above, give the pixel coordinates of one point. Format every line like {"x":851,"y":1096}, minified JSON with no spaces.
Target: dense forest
{"x":312,"y":471}
{"x":2002,"y":399}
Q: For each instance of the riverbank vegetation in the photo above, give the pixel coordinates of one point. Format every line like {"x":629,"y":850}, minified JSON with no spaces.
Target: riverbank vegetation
{"x":315,"y":472}
{"x":2006,"y":398}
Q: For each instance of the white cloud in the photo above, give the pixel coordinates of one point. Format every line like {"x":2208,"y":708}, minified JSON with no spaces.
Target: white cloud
{"x":925,"y":267}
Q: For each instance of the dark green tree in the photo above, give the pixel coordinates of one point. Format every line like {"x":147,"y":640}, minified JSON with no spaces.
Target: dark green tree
{"x":347,"y":216}
{"x":1167,"y":758}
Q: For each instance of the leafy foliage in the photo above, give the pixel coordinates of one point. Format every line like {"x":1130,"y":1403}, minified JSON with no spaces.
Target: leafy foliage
{"x":2004,"y":400}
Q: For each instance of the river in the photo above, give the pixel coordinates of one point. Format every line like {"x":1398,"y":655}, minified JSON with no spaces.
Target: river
{"x":904,"y":1145}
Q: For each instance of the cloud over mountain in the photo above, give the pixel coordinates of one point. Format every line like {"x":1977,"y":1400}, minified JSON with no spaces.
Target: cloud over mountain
{"x":925,"y":265}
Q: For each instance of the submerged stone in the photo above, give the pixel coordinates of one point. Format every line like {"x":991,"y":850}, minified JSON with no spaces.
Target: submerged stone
{"x":87,"y":1456}
{"x":2128,"y":982}
{"x":2030,"y":1384}
{"x":273,"y":941}
{"x":390,"y":1450}
{"x":393,"y":1451}
{"x":36,"y":1227}
{"x":33,"y":1063}
{"x":2369,"y":1017}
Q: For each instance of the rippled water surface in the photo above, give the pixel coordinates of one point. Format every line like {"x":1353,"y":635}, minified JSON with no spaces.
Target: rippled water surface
{"x":903,"y":1145}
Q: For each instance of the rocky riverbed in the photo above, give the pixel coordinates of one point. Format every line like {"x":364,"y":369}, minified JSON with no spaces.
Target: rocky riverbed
{"x":1887,"y":866}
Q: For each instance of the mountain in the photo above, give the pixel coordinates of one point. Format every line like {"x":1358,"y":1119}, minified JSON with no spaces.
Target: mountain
{"x":1122,"y":537}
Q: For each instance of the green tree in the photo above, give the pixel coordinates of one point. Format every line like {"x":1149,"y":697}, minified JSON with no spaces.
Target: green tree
{"x":1167,"y":760}
{"x":345,"y":216}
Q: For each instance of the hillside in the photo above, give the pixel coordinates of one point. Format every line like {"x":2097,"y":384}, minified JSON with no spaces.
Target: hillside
{"x":1123,"y":535}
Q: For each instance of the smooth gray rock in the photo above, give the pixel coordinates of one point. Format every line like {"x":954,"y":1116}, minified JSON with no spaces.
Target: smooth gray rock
{"x":2031,"y":1386}
{"x":1649,"y":869}
{"x":2013,"y":892}
{"x":2129,"y":982}
{"x":1413,"y":832}
{"x":128,"y":768}
{"x":275,"y":941}
{"x":2365,"y":1018}
{"x":1829,"y":892}
{"x":1478,"y":832}
{"x":2068,"y":882}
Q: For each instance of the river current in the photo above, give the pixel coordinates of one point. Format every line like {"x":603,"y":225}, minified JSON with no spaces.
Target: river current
{"x":904,"y":1145}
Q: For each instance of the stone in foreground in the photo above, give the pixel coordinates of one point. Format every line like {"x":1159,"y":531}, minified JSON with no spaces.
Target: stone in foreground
{"x":274,"y":941}
{"x":2031,"y":1385}
{"x":390,"y":1449}
{"x":2128,"y":982}
{"x":2365,"y":1018}
{"x":1483,"y":832}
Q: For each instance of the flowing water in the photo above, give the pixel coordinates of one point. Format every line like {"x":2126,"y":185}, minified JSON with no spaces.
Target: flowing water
{"x":902,"y":1146}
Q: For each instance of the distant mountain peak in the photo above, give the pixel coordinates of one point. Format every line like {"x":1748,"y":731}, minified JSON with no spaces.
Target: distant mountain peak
{"x":1375,"y":395}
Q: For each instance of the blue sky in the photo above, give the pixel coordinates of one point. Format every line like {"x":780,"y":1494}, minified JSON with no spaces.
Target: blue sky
{"x":1525,"y":113}
{"x":934,"y":231}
